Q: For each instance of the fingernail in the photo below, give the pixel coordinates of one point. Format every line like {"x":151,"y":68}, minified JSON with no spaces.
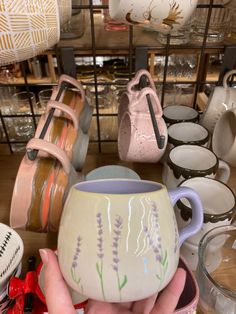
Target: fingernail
{"x":44,"y":255}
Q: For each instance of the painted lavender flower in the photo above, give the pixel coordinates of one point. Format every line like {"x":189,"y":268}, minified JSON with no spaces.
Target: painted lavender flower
{"x":100,"y":253}
{"x":115,"y":247}
{"x":74,"y":264}
{"x":156,"y":246}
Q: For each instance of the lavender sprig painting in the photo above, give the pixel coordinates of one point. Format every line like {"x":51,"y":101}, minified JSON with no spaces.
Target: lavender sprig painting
{"x":156,"y":245}
{"x":100,"y":252}
{"x":75,"y":261}
{"x":121,"y":282}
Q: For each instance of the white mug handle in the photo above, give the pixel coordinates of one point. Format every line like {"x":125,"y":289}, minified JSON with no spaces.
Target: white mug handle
{"x":227,"y":75}
{"x":224,"y":171}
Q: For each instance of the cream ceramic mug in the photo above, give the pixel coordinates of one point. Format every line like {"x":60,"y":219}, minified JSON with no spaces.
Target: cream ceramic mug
{"x":163,"y":16}
{"x":117,"y":233}
{"x":187,"y":161}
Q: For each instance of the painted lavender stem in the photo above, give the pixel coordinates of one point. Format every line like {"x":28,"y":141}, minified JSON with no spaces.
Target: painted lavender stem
{"x":100,"y":252}
{"x":74,"y":264}
{"x":115,"y":247}
{"x":160,"y":256}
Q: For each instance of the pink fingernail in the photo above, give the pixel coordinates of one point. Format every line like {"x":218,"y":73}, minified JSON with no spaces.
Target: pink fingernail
{"x":44,"y":255}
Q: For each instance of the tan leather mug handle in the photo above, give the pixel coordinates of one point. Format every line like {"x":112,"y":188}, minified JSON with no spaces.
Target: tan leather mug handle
{"x":51,"y":149}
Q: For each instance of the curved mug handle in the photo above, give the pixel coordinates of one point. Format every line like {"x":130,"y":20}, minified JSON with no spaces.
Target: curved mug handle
{"x":51,"y":149}
{"x":224,"y":171}
{"x":197,"y":211}
{"x":65,"y":109}
{"x":136,"y":80}
{"x":148,"y":91}
{"x":74,"y":82}
{"x":226,"y":76}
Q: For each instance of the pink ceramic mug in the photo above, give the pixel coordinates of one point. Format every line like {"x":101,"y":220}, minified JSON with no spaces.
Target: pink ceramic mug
{"x":41,"y":188}
{"x":136,"y":136}
{"x":130,"y":97}
{"x":65,"y":132}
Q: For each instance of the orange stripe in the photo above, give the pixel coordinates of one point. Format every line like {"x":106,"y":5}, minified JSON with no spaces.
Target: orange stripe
{"x":46,"y":200}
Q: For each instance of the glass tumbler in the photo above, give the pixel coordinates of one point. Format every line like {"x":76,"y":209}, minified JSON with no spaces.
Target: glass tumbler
{"x":44,"y":96}
{"x":216,"y":273}
{"x":110,"y":24}
{"x":219,"y":23}
{"x":23,"y":126}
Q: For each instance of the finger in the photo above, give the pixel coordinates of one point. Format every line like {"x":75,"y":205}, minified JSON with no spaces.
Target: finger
{"x":98,"y":307}
{"x":56,"y":293}
{"x":144,"y":306}
{"x":168,"y":299}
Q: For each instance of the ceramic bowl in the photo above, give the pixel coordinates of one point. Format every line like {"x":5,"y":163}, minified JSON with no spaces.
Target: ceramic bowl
{"x":190,"y":296}
{"x":11,"y":252}
{"x":28,"y":28}
{"x":112,"y":171}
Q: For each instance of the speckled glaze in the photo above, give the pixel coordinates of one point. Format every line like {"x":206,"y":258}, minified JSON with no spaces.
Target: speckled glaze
{"x":160,"y":15}
{"x":129,"y":98}
{"x":41,"y":187}
{"x":117,"y":233}
{"x":136,"y":136}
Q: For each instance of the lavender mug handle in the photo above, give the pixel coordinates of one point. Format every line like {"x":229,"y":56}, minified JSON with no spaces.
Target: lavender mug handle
{"x":197,"y":211}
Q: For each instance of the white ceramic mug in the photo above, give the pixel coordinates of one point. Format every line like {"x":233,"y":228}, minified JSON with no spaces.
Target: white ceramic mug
{"x":180,"y":113}
{"x":224,"y":137}
{"x":186,"y":161}
{"x":219,"y":206}
{"x":164,"y":17}
{"x":117,"y":233}
{"x":221,"y":99}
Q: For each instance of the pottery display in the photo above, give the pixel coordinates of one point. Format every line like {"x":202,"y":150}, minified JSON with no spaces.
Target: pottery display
{"x":187,"y":161}
{"x":221,"y":99}
{"x":41,"y":187}
{"x":180,"y":113}
{"x":217,"y":287}
{"x":219,"y":206}
{"x":224,"y":137}
{"x":136,"y":136}
{"x":163,"y":16}
{"x":112,"y":172}
{"x":134,"y":237}
{"x":28,"y":29}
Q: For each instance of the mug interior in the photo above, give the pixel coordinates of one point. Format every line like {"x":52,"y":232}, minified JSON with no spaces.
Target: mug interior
{"x":180,"y":112}
{"x":217,"y":198}
{"x":193,"y":157}
{"x":224,"y":134}
{"x":187,"y":132}
{"x":118,"y":186}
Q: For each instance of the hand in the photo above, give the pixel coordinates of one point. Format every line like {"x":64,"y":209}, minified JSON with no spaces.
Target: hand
{"x":59,"y":301}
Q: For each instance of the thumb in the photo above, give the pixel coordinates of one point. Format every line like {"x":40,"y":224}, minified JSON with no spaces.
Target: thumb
{"x":56,"y":293}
